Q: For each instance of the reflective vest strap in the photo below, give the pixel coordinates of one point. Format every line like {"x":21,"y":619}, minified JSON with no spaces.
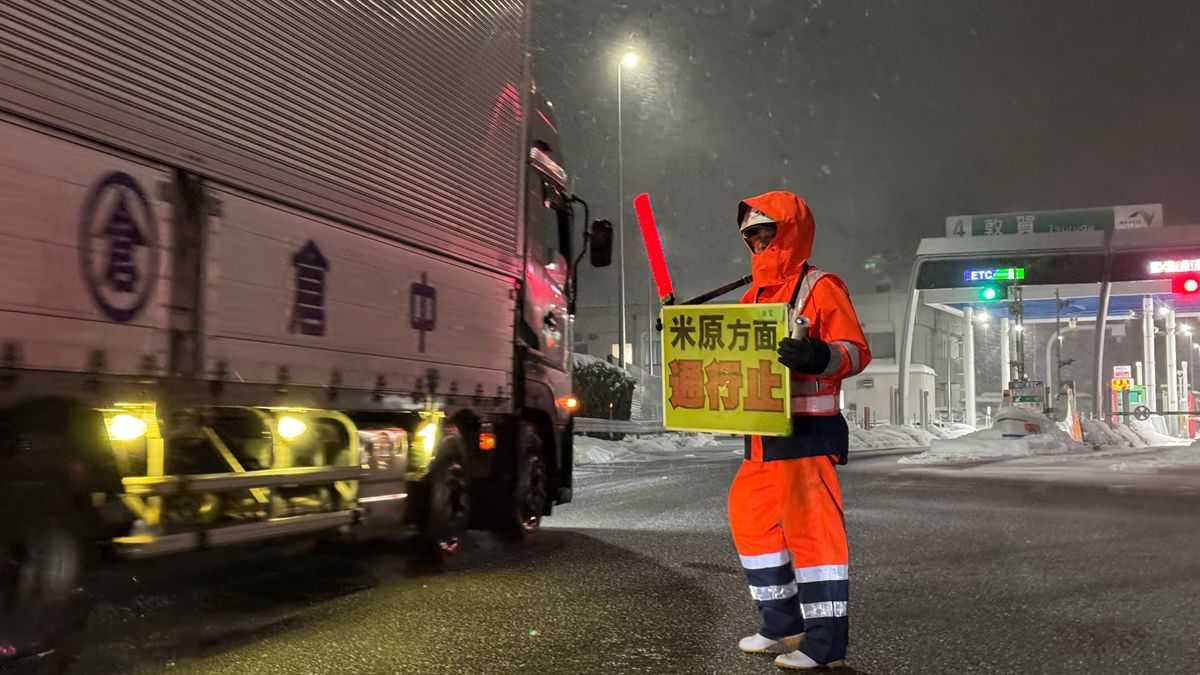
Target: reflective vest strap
{"x":805,"y":387}
{"x":811,"y":405}
{"x":802,"y":291}
{"x":811,"y":387}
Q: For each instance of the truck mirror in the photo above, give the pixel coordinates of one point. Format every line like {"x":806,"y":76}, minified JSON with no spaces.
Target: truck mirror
{"x":602,"y":243}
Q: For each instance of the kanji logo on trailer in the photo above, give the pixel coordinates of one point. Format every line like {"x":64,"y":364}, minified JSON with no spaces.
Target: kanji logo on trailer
{"x":308,"y":307}
{"x":422,"y":309}
{"x":119,"y":246}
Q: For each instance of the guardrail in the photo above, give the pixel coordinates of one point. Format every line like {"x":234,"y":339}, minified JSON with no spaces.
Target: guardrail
{"x":585,"y":425}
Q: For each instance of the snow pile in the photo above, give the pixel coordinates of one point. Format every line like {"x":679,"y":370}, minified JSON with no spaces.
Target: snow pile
{"x":668,"y":443}
{"x":1134,"y":434}
{"x":1152,"y":436}
{"x":990,"y":444}
{"x":1167,"y":458}
{"x":590,"y":450}
{"x":887,"y":436}
{"x":1099,"y":434}
{"x":952,"y":430}
{"x":1130,"y":436}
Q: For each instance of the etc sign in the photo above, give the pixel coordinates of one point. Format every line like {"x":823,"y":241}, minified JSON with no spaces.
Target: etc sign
{"x":1000,"y":274}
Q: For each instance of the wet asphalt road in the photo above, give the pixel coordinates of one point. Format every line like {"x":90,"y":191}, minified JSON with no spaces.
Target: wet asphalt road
{"x":948,"y":575}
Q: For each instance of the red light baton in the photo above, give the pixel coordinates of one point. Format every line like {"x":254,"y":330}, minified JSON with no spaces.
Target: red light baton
{"x":654,"y":250}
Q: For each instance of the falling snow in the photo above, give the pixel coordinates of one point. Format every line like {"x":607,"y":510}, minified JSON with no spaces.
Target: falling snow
{"x":930,"y":109}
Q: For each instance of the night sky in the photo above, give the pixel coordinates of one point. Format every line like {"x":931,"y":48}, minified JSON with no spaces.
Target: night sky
{"x":886,"y":115}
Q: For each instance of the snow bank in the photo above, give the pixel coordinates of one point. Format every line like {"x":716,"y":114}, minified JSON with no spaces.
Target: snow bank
{"x":590,"y":450}
{"x":888,"y":436}
{"x":1099,"y":434}
{"x":1134,"y":434}
{"x":1153,"y":437}
{"x":895,"y":436}
{"x":989,"y":444}
{"x":953,"y":430}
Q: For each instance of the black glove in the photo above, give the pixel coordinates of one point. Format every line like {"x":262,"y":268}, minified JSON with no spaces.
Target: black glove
{"x":806,"y":355}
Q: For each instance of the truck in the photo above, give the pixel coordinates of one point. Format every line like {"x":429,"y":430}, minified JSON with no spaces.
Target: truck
{"x":267,"y":270}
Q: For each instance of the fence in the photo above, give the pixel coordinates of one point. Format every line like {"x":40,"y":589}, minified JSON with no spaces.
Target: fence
{"x":586,"y":425}
{"x":647,"y":395}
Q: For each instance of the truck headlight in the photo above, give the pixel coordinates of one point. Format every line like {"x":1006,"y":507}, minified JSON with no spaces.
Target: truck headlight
{"x":126,"y":427}
{"x":290,"y":427}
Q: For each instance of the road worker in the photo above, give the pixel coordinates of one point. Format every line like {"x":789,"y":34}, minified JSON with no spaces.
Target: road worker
{"x":785,"y":505}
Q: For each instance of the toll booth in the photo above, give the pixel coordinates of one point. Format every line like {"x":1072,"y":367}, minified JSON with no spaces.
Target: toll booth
{"x":1148,"y":278}
{"x":1127,"y":397}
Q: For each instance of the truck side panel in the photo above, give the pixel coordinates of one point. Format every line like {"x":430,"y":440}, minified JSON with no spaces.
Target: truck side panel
{"x":84,"y":242}
{"x":404,"y":116}
{"x":290,"y":290}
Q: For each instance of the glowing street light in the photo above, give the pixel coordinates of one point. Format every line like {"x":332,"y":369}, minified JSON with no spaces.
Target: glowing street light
{"x":628,"y":61}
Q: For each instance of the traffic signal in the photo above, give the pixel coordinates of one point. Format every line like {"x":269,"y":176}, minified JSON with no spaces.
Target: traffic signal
{"x":1185,"y":284}
{"x":992,"y":292}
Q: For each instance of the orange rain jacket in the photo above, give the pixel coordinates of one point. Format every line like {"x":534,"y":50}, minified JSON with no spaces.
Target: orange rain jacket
{"x":782,"y":274}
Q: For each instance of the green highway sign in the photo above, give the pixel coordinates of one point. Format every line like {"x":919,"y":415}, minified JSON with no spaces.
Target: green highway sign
{"x":1074,"y":220}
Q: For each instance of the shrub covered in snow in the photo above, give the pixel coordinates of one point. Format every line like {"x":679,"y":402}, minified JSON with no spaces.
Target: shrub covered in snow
{"x":604,"y":390}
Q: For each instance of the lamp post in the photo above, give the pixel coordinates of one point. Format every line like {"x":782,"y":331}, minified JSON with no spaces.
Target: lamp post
{"x":1189,"y":364}
{"x":629,"y":60}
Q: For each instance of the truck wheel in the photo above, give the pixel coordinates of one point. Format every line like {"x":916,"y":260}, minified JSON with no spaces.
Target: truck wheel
{"x":39,"y":564}
{"x":528,"y":495}
{"x":40,"y":570}
{"x":448,"y":507}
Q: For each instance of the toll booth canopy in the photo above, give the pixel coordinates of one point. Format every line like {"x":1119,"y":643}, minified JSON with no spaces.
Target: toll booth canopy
{"x":1101,"y":274}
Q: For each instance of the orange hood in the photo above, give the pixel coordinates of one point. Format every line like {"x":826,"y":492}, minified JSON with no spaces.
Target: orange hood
{"x":795,"y":228}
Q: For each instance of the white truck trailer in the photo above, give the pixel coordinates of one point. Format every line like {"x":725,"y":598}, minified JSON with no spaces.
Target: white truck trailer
{"x":276,"y":269}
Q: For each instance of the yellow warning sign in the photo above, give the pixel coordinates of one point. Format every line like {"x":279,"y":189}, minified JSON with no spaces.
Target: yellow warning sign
{"x":720,"y":372}
{"x":1121,"y":383}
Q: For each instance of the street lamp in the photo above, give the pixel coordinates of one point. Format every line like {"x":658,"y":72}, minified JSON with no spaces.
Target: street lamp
{"x":628,"y":61}
{"x":1191,"y":361}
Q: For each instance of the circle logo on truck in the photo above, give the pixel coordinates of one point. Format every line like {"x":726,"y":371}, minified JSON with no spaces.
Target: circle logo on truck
{"x":118,"y":246}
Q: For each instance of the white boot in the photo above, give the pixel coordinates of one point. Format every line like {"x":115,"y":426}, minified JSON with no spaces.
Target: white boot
{"x":757,"y":644}
{"x":798,"y":660}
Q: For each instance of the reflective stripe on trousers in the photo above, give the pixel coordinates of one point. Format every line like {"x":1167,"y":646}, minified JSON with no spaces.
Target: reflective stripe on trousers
{"x":786,"y":520}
